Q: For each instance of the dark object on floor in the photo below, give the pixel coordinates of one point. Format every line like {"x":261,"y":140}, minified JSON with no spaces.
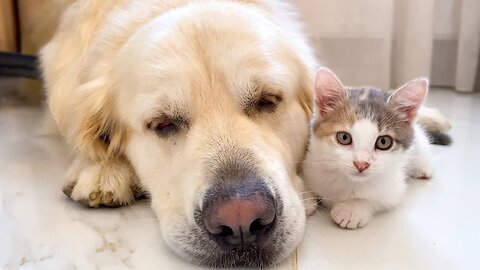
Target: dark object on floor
{"x":18,"y":65}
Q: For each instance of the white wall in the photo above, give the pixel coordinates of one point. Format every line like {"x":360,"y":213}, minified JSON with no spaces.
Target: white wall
{"x":351,"y":39}
{"x":445,"y":41}
{"x":388,"y":42}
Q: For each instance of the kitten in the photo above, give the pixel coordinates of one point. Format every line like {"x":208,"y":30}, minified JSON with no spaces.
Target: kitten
{"x":364,"y":146}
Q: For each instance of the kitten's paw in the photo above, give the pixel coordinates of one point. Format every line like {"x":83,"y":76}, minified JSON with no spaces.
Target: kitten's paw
{"x":422,"y":174}
{"x":349,"y":216}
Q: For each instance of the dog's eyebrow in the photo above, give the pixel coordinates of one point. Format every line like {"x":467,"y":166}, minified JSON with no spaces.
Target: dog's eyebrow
{"x":180,"y":119}
{"x":172,"y":111}
{"x":256,"y":92}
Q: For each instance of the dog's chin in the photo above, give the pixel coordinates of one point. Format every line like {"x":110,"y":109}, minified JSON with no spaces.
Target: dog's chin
{"x":191,"y":243}
{"x":249,"y":257}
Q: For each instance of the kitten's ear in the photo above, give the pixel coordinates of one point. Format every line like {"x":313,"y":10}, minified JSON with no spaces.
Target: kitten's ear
{"x":410,"y":97}
{"x":328,"y":90}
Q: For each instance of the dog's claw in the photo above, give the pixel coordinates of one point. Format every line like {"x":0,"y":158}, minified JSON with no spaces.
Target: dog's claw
{"x":67,"y":190}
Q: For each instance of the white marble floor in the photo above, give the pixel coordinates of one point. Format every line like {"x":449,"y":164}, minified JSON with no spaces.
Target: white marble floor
{"x":437,"y":227}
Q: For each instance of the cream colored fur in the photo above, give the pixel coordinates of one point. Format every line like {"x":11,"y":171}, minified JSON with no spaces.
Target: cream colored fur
{"x":115,"y":65}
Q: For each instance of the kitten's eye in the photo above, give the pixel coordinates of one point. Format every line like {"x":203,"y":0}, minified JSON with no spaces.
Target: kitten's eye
{"x":384,"y":143}
{"x":163,"y":128}
{"x":268,"y":103}
{"x":344,"y":138}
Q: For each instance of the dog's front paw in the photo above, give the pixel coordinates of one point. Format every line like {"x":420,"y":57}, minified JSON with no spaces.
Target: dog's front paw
{"x":111,"y":184}
{"x":349,"y":216}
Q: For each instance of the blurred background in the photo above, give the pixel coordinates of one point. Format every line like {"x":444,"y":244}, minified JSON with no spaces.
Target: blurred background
{"x":389,"y":42}
{"x":377,"y":42}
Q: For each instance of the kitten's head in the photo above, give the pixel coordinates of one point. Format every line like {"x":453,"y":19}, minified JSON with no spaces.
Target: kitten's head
{"x":364,"y":131}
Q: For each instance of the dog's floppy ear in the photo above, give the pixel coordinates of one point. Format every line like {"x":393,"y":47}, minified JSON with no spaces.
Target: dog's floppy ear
{"x":306,"y":94}
{"x":94,"y":129}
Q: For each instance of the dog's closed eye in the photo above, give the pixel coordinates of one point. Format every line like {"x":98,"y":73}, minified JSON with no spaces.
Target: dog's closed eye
{"x":163,"y":127}
{"x":263,"y":103}
{"x":268,"y":103}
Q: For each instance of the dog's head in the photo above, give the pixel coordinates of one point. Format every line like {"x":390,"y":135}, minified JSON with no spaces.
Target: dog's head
{"x":213,"y":102}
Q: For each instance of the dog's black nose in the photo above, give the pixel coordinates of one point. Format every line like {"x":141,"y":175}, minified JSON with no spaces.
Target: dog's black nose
{"x":239,"y":215}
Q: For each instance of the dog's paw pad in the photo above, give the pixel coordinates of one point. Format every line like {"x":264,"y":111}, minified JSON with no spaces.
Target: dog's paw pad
{"x":93,"y":195}
{"x":348,"y":217}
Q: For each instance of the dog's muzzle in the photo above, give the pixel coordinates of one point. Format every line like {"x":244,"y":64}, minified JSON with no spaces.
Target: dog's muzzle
{"x":240,"y":218}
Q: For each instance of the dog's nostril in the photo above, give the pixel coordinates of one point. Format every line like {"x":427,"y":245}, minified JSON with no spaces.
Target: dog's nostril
{"x":225,"y":231}
{"x":256,"y":226}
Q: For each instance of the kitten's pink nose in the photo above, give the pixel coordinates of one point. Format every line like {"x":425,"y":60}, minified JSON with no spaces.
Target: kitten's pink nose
{"x":361,"y":165}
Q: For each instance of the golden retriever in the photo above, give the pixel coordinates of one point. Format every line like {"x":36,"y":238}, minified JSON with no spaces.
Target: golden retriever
{"x":207,"y":102}
{"x":203,"y":104}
